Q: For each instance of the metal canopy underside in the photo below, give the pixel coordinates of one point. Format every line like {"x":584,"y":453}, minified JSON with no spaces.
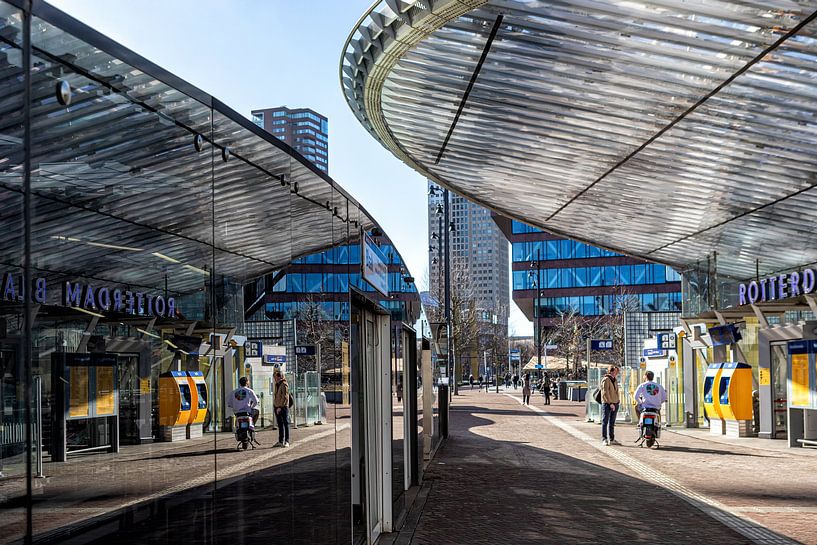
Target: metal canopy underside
{"x":119,"y":191}
{"x":667,"y":130}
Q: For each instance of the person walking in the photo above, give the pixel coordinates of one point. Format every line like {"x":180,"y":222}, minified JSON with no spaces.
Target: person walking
{"x":515,"y":381}
{"x":610,"y":401}
{"x":526,"y":390}
{"x":280,"y":403}
{"x":507,"y":380}
{"x":471,"y":380}
{"x":546,"y":391}
{"x":479,"y":383}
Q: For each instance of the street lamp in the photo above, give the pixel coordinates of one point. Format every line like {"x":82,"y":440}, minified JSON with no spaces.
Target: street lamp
{"x":536,"y":266}
{"x":442,"y":210}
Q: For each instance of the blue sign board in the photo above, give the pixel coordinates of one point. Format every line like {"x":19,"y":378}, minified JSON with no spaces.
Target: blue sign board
{"x":516,"y":355}
{"x":601,"y":344}
{"x":273,"y":359}
{"x":538,"y":366}
{"x":724,"y":334}
{"x":375,"y":269}
{"x":253,"y":349}
{"x":666,"y":341}
{"x":654,"y":353}
{"x":305,"y":350}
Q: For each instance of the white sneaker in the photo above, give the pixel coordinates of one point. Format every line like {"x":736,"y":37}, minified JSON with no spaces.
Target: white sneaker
{"x":605,"y":443}
{"x":286,"y":443}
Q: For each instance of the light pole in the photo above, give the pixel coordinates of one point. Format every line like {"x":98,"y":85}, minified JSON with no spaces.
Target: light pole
{"x":537,"y":266}
{"x":443,"y":213}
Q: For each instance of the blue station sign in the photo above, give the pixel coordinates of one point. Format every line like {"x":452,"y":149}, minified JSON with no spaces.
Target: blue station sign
{"x":654,"y":353}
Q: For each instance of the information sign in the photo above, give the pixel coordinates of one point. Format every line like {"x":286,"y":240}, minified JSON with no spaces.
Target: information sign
{"x":601,"y":344}
{"x":764,"y":376}
{"x":305,"y":350}
{"x":78,"y":392}
{"x":105,"y":392}
{"x":724,"y":334}
{"x":375,"y":270}
{"x":253,"y":349}
{"x":666,"y":341}
{"x":654,"y":352}
{"x":799,"y":395}
{"x":274,"y":359}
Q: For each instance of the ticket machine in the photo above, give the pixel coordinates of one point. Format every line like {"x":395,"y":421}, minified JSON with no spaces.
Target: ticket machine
{"x":735,"y":397}
{"x":198,"y":409}
{"x":175,"y":405}
{"x":712,"y":404}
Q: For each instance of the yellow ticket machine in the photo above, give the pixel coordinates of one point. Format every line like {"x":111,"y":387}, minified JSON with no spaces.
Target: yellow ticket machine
{"x":175,"y":404}
{"x":712,"y":404}
{"x":198,"y":409}
{"x":735,"y":396}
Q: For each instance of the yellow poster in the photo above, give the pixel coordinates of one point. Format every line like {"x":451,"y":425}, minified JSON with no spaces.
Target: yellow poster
{"x":105,"y":399}
{"x":78,"y":392}
{"x":799,"y":380}
{"x":144,"y":386}
{"x":764,"y":377}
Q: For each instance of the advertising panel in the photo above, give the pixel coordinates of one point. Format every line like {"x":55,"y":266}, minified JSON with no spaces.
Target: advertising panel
{"x":105,"y":392}
{"x":78,"y":406}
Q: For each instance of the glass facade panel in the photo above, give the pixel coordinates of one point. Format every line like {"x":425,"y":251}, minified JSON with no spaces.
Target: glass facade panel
{"x":164,"y":231}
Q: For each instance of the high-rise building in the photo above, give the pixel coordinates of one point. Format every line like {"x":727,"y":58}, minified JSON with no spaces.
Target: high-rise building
{"x":479,"y":280}
{"x":479,"y":253}
{"x":305,"y":130}
{"x":565,"y":274}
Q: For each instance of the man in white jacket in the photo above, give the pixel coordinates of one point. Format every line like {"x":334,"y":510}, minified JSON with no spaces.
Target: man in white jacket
{"x":649,"y":394}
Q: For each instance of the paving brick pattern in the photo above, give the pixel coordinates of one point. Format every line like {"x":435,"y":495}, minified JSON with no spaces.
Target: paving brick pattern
{"x":507,"y":475}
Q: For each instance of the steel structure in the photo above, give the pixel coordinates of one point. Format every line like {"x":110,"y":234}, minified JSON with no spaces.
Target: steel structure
{"x":667,"y":130}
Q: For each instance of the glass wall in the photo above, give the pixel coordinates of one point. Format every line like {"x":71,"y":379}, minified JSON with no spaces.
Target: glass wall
{"x":152,"y":211}
{"x":581,"y":277}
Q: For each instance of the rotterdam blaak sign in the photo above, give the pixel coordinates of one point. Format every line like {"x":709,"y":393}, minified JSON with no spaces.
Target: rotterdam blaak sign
{"x":780,"y":286}
{"x":90,"y":297}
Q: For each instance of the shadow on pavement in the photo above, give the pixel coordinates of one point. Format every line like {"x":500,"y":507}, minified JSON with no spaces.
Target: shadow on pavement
{"x":675,"y":448}
{"x":483,"y":490}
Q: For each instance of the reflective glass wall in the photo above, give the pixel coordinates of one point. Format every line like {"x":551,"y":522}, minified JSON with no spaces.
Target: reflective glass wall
{"x":136,"y":212}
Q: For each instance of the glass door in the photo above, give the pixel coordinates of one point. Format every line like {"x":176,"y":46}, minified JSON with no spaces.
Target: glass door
{"x":779,"y":369}
{"x":374,"y":469}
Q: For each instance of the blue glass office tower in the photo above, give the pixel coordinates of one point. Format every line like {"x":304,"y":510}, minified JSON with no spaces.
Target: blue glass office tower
{"x":588,"y":279}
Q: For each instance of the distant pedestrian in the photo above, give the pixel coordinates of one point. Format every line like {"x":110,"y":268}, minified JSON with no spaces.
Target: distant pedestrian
{"x":515,"y":381}
{"x":281,"y":403}
{"x":546,"y":391}
{"x":507,"y":380}
{"x":471,"y":380}
{"x":610,"y":401}
{"x":479,"y":380}
{"x":487,"y":382}
{"x":526,"y":390}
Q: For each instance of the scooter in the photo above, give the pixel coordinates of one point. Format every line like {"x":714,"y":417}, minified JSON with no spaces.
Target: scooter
{"x":244,"y":431}
{"x":649,"y":423}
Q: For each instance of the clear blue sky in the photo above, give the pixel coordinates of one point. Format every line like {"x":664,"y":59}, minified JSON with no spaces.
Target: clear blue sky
{"x":264,"y":53}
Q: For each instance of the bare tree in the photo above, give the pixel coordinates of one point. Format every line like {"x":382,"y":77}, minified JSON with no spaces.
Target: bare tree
{"x":315,"y":326}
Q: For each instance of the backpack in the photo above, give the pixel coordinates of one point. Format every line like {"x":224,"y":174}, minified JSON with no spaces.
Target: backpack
{"x":597,"y":395}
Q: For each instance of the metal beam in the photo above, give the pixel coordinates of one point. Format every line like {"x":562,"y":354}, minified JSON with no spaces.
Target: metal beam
{"x":473,"y":80}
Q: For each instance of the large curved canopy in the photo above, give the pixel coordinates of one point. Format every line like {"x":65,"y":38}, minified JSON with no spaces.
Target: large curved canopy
{"x":670,"y":130}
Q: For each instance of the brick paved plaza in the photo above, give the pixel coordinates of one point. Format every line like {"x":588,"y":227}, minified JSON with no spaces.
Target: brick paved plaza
{"x":514,"y":474}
